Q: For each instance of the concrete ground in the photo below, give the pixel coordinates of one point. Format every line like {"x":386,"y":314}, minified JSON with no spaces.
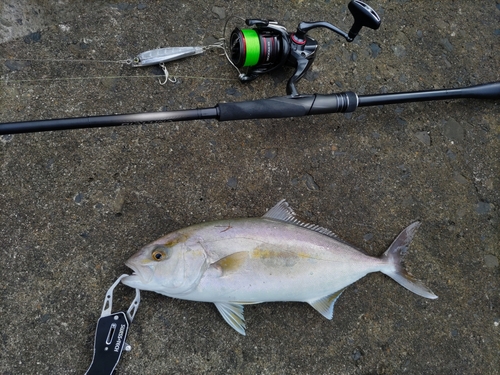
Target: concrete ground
{"x":74,"y":205}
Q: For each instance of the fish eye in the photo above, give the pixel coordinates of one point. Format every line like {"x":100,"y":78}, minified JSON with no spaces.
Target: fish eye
{"x":158,"y":255}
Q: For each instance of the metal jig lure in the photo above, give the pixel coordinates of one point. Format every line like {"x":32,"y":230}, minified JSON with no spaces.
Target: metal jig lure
{"x":160,"y":56}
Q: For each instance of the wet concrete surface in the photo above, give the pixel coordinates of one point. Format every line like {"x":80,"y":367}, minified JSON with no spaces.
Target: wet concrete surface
{"x":74,"y":205}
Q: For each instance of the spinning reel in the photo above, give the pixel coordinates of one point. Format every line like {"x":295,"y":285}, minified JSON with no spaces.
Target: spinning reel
{"x":269,"y":45}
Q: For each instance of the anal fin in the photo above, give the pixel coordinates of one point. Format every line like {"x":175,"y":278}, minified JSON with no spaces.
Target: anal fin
{"x":233,"y":315}
{"x":324,"y":305}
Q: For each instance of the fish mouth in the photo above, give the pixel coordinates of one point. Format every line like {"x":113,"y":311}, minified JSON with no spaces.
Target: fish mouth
{"x":132,"y":280}
{"x":142,"y":276}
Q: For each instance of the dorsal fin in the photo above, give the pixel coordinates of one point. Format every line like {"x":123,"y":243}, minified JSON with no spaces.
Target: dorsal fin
{"x":283,"y":212}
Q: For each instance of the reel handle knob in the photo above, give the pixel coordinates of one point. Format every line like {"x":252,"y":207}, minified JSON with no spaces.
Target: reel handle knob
{"x":363,"y":15}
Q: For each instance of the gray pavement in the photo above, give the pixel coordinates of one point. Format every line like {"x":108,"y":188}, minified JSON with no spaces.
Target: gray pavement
{"x":74,"y":205}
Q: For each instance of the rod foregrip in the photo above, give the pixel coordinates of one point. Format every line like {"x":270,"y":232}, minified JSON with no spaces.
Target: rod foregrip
{"x":288,"y":106}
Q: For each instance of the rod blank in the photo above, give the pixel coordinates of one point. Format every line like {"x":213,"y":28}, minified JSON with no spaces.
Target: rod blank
{"x":107,"y":120}
{"x":484,"y":91}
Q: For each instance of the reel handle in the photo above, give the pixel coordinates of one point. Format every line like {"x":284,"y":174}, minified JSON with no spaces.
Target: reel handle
{"x":305,"y":27}
{"x":363,"y":15}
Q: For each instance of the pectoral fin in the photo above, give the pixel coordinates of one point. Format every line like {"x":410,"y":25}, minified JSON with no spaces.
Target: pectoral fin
{"x":324,"y":305}
{"x":230,"y":263}
{"x":233,"y":315}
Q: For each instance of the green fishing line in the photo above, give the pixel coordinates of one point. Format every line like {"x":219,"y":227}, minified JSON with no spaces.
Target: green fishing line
{"x":252,"y":45}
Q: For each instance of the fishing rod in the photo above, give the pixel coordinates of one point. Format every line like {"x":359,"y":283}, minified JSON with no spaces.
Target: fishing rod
{"x":259,"y":48}
{"x":274,"y":107}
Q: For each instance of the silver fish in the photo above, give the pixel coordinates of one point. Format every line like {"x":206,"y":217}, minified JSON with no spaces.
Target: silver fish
{"x":277,"y":257}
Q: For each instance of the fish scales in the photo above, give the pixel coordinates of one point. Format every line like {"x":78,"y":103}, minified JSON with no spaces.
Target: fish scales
{"x":288,"y":260}
{"x":274,"y":258}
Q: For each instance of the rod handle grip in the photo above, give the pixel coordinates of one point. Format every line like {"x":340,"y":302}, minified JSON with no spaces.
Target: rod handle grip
{"x":288,"y":106}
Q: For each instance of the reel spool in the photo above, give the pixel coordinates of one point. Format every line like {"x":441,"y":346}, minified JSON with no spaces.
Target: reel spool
{"x":261,"y":49}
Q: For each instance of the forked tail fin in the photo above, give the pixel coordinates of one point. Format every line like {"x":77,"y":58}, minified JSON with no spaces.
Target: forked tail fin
{"x":394,"y":256}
